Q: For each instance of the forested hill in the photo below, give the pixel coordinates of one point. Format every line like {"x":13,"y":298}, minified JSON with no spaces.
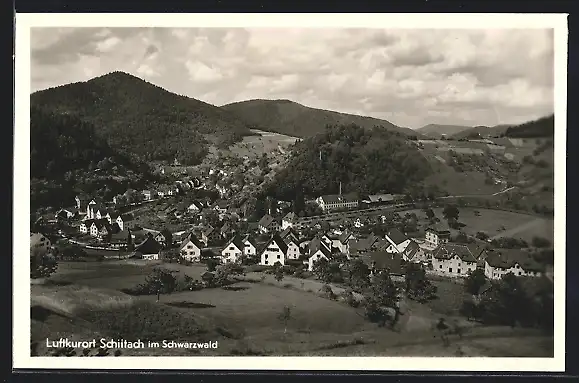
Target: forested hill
{"x":542,"y":127}
{"x":293,"y":119}
{"x":364,"y":160}
{"x":143,"y":118}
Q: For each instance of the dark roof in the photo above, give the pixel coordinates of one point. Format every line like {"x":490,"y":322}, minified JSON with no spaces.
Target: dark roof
{"x":121,"y":236}
{"x":289,"y":233}
{"x":439,"y":228}
{"x":191,"y":237}
{"x":127,"y":217}
{"x":251,"y":240}
{"x":277,"y":239}
{"x":208,"y":231}
{"x":396,"y":236}
{"x":102,"y":223}
{"x":381,"y":198}
{"x":237,"y":241}
{"x":467,"y":253}
{"x":87,"y":222}
{"x":507,"y":258}
{"x":317,"y":244}
{"x":411,"y":250}
{"x":290,"y":217}
{"x":386,"y":261}
{"x":148,"y":246}
{"x":364,"y":244}
{"x":225,"y":228}
{"x":345,"y":236}
{"x":343,"y":198}
{"x":266,"y":220}
{"x":114,"y":215}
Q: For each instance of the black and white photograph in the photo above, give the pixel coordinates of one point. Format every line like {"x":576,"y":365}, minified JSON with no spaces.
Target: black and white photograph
{"x":375,"y":189}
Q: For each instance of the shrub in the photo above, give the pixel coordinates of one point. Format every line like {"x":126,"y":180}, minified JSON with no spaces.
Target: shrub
{"x":348,"y":297}
{"x":327,"y":292}
{"x":540,"y":242}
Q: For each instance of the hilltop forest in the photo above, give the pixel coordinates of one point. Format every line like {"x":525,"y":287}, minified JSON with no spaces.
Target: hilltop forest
{"x":143,"y":118}
{"x":363,"y":160}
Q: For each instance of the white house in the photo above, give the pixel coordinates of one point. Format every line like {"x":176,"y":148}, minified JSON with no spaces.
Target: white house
{"x":289,"y":220}
{"x":317,"y":250}
{"x":293,"y":248}
{"x":344,"y":243}
{"x":455,"y":260}
{"x":85,"y":225}
{"x":190,"y":248}
{"x":195,"y":207}
{"x":414,"y":253}
{"x":267,"y":224}
{"x":338,"y":202}
{"x":398,"y":238}
{"x":149,"y":249}
{"x":123,"y":219}
{"x":436,"y":235}
{"x":233,"y":250}
{"x":503,"y":261}
{"x":274,"y":251}
{"x":249,"y":246}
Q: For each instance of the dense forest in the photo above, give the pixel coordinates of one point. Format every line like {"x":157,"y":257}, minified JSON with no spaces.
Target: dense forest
{"x":543,"y":127}
{"x":67,"y":156}
{"x":363,"y":160}
{"x":143,"y":118}
{"x":293,"y":119}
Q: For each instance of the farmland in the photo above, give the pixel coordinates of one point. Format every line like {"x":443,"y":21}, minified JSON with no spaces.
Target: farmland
{"x":245,"y":319}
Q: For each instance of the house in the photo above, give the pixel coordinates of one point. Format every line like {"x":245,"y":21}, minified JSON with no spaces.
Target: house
{"x":40,"y":241}
{"x":148,"y":195}
{"x":344,"y":243}
{"x":397,"y":238}
{"x":456,"y":260}
{"x":379,"y":199}
{"x":363,"y":245}
{"x":268,"y":224}
{"x":317,"y":250}
{"x":249,"y":246}
{"x":163,"y":240}
{"x":85,"y":226}
{"x":211,"y":236}
{"x":81,"y":202}
{"x":327,"y":240}
{"x":65,"y":214}
{"x":120,"y":239}
{"x":414,"y":253}
{"x":227,"y":231}
{"x":195,"y":206}
{"x":101,"y":228}
{"x":233,"y":250}
{"x":123,"y":220}
{"x":95,"y":210}
{"x":293,"y":247}
{"x":289,"y":232}
{"x":112,"y":217}
{"x":149,"y":249}
{"x":273,"y":251}
{"x":503,"y":261}
{"x":221,"y":207}
{"x":190,"y":248}
{"x":338,"y":202}
{"x":289,"y":220}
{"x":437,"y":234}
{"x":384,"y":261}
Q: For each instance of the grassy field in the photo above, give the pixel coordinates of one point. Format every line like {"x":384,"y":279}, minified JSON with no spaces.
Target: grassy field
{"x":267,"y":142}
{"x":245,"y":318}
{"x":516,"y":225}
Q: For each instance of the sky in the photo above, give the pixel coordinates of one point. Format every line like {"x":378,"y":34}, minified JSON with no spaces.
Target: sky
{"x":410,"y":77}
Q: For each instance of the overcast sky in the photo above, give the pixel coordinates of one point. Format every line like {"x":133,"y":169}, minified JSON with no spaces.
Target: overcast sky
{"x":410,"y":77}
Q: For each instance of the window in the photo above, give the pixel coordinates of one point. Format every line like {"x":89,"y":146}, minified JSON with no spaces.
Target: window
{"x":450,"y":269}
{"x":440,"y":267}
{"x":278,"y":256}
{"x":458,"y":271}
{"x":265,"y":262}
{"x":266,"y":257}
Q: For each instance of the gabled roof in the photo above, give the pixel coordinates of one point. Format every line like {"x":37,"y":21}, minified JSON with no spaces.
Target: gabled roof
{"x":465,"y":252}
{"x":290,"y":217}
{"x":411,"y":250}
{"x":191,"y":238}
{"x":289,"y":232}
{"x":208,"y":231}
{"x":197,"y":204}
{"x":337,"y":198}
{"x":381,"y":198}
{"x":345,"y":236}
{"x":87,"y":222}
{"x":396,"y":236}
{"x":126,"y":217}
{"x":317,"y":244}
{"x":226,"y":228}
{"x":266,"y":220}
{"x":364,"y":244}
{"x":386,"y":261}
{"x":507,"y":258}
{"x":278,"y":241}
{"x":249,"y":239}
{"x":148,"y":246}
{"x":237,"y":241}
{"x":100,"y":223}
{"x":439,"y":228}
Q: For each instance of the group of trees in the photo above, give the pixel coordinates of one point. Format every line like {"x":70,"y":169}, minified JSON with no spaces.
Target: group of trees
{"x":363,"y":160}
{"x":542,"y":127}
{"x":509,"y":301}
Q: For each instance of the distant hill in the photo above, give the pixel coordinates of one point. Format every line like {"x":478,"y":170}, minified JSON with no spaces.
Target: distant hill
{"x":143,"y":118}
{"x":437,"y":130}
{"x":293,"y":119}
{"x":363,"y":160}
{"x":482,"y":131}
{"x":542,"y":127}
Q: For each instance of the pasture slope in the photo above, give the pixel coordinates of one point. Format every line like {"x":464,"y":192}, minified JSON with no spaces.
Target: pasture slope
{"x":84,"y":301}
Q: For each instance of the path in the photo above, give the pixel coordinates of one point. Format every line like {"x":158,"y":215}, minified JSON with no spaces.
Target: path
{"x":518,"y":229}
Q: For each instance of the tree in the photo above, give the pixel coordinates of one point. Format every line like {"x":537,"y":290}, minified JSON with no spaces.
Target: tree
{"x":358,"y":274}
{"x":506,"y":302}
{"x":278,"y":271}
{"x":224,"y":273}
{"x":285,"y":316}
{"x":211,"y":264}
{"x":540,"y":242}
{"x":161,"y":281}
{"x":418,"y":287}
{"x":321,"y":269}
{"x":475,"y":281}
{"x":429,"y":214}
{"x":168,"y":237}
{"x":450,"y":212}
{"x":42,"y":264}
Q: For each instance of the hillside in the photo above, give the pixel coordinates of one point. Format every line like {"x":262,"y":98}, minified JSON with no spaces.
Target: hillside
{"x":293,"y":119}
{"x":437,"y":130}
{"x":363,"y":160}
{"x":67,"y":154}
{"x":481,"y":131}
{"x":542,"y":127}
{"x":143,"y":118}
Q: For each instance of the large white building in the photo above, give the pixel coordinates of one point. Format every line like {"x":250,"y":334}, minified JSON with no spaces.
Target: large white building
{"x":338,"y":202}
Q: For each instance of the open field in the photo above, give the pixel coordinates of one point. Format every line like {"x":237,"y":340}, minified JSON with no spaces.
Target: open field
{"x":516,"y":225}
{"x":266,"y":142}
{"x":245,"y":318}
